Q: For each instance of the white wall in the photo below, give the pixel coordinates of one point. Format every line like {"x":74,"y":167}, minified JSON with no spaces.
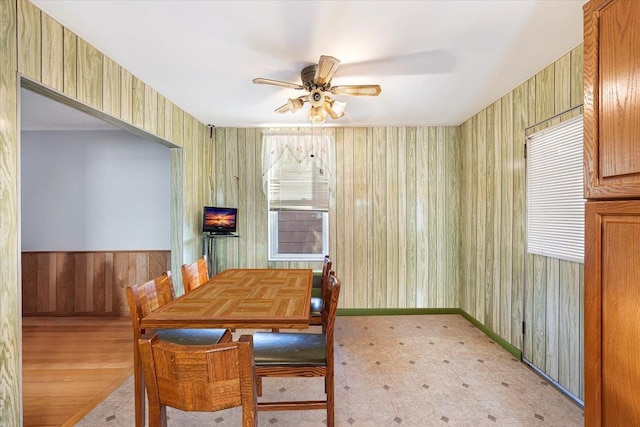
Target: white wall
{"x":94,"y":190}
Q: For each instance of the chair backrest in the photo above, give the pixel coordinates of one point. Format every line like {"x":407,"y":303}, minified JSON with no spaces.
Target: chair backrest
{"x":200,"y":378}
{"x":330,"y":306}
{"x":195,"y":274}
{"x":326,"y":268}
{"x":148,"y":297}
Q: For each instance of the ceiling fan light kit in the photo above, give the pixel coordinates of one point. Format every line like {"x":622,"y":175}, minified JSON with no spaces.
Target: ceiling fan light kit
{"x":316,"y":79}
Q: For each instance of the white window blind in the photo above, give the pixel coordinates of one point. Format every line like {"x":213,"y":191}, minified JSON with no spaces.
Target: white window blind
{"x":298,"y":185}
{"x":555,"y":200}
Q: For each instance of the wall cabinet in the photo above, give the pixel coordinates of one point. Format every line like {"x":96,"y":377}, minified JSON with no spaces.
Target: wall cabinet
{"x":612,"y":226}
{"x":612,"y":98}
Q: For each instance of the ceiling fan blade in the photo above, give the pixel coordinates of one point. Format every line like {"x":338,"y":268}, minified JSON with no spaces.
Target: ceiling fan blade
{"x":327,"y":66}
{"x":357,"y":90}
{"x":261,"y":81}
{"x":332,"y":113}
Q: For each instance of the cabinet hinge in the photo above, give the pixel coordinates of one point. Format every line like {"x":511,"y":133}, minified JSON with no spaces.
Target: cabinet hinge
{"x":525,"y":151}
{"x":523,"y":328}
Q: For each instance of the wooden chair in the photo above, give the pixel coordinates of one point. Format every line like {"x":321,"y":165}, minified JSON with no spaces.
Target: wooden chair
{"x":144,"y":299}
{"x":195,"y":274}
{"x":300,"y":355}
{"x":198,"y":377}
{"x":315,"y":316}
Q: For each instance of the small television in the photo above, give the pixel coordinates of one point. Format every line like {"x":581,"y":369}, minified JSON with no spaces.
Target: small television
{"x":216,"y":220}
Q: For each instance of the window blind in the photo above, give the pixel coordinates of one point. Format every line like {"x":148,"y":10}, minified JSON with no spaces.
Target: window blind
{"x":555,"y":200}
{"x":298,"y":185}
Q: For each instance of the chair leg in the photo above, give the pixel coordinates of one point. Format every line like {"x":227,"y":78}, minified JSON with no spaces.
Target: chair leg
{"x":330,"y":398}
{"x":259,"y":386}
{"x":157,"y":415}
{"x":138,"y":387}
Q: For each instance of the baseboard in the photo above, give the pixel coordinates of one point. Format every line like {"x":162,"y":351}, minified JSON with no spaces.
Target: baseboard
{"x":414,"y":311}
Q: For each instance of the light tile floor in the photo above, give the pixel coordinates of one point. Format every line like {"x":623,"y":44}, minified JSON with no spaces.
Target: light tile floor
{"x":427,"y":370}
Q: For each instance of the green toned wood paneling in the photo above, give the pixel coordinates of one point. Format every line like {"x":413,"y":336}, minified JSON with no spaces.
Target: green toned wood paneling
{"x":160,"y":129}
{"x":466,"y":220}
{"x":481,"y":212}
{"x":126,"y":95}
{"x":191,"y":238}
{"x":500,"y":226}
{"x":503,"y":192}
{"x":539,"y":311}
{"x":562,"y":84}
{"x":168,"y":120}
{"x":577,"y":88}
{"x":90,"y":66}
{"x":378,"y":244}
{"x":177,"y":209}
{"x":392,"y":224}
{"x":360,"y":218}
{"x":551,"y":318}
{"x":137,"y":101}
{"x":52,"y":53}
{"x":150,"y":109}
{"x":493,"y":173}
{"x":451,"y":188}
{"x":111,"y":88}
{"x":411,"y":278}
{"x":491,"y":306}
{"x":177,"y":121}
{"x":545,"y":94}
{"x":569,"y":372}
{"x":422,"y":217}
{"x":70,"y":63}
{"x":29,"y":40}
{"x":399,"y":295}
{"x":232,"y":139}
{"x":431,"y":288}
{"x":514,"y":132}
{"x":10,"y":323}
{"x":369,"y":198}
{"x":343,"y":251}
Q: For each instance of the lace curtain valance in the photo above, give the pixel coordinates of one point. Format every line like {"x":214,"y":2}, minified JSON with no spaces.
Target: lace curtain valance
{"x":296,"y":147}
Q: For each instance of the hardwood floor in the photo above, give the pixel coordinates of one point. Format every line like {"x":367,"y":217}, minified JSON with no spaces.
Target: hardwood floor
{"x":70,"y":364}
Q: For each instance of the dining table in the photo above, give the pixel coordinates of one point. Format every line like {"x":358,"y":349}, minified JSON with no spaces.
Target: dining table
{"x":241,"y":298}
{"x":246,"y":298}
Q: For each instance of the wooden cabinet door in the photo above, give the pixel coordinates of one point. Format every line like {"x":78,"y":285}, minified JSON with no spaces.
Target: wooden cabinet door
{"x":612,"y":313}
{"x":612,"y":98}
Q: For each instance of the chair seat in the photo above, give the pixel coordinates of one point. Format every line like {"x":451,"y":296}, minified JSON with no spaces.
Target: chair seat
{"x":316,"y":306}
{"x":191,"y":336}
{"x":289,"y":348}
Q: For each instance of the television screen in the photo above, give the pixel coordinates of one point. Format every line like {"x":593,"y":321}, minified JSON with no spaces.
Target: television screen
{"x":219,"y":220}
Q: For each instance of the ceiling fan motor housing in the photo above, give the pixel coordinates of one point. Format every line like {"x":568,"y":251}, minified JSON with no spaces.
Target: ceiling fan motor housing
{"x":307,"y":75}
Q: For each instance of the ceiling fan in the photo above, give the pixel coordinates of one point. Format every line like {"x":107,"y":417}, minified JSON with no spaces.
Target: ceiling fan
{"x":316,"y":79}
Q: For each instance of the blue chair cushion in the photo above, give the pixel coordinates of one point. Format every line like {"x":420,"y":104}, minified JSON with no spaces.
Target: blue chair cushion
{"x":191,"y":336}
{"x":316,"y":306}
{"x":274,"y":348}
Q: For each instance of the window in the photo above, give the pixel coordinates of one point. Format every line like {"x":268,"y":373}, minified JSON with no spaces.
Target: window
{"x":555,"y":199}
{"x":296,"y":175}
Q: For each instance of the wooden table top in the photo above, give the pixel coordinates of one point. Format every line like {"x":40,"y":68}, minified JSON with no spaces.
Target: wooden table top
{"x":241,"y":298}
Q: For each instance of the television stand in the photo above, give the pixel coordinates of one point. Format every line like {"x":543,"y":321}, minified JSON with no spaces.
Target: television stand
{"x":209,"y":249}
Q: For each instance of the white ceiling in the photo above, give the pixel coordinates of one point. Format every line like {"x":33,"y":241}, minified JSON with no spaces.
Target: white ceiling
{"x":438,"y":62}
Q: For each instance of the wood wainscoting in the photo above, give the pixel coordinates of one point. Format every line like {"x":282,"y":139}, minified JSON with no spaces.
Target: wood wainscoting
{"x":87,"y":283}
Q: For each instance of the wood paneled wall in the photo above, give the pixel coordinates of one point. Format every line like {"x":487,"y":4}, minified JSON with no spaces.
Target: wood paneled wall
{"x":88,"y":283}
{"x":10,"y":375}
{"x":53,"y":57}
{"x":394,"y":228}
{"x":502,"y":286}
